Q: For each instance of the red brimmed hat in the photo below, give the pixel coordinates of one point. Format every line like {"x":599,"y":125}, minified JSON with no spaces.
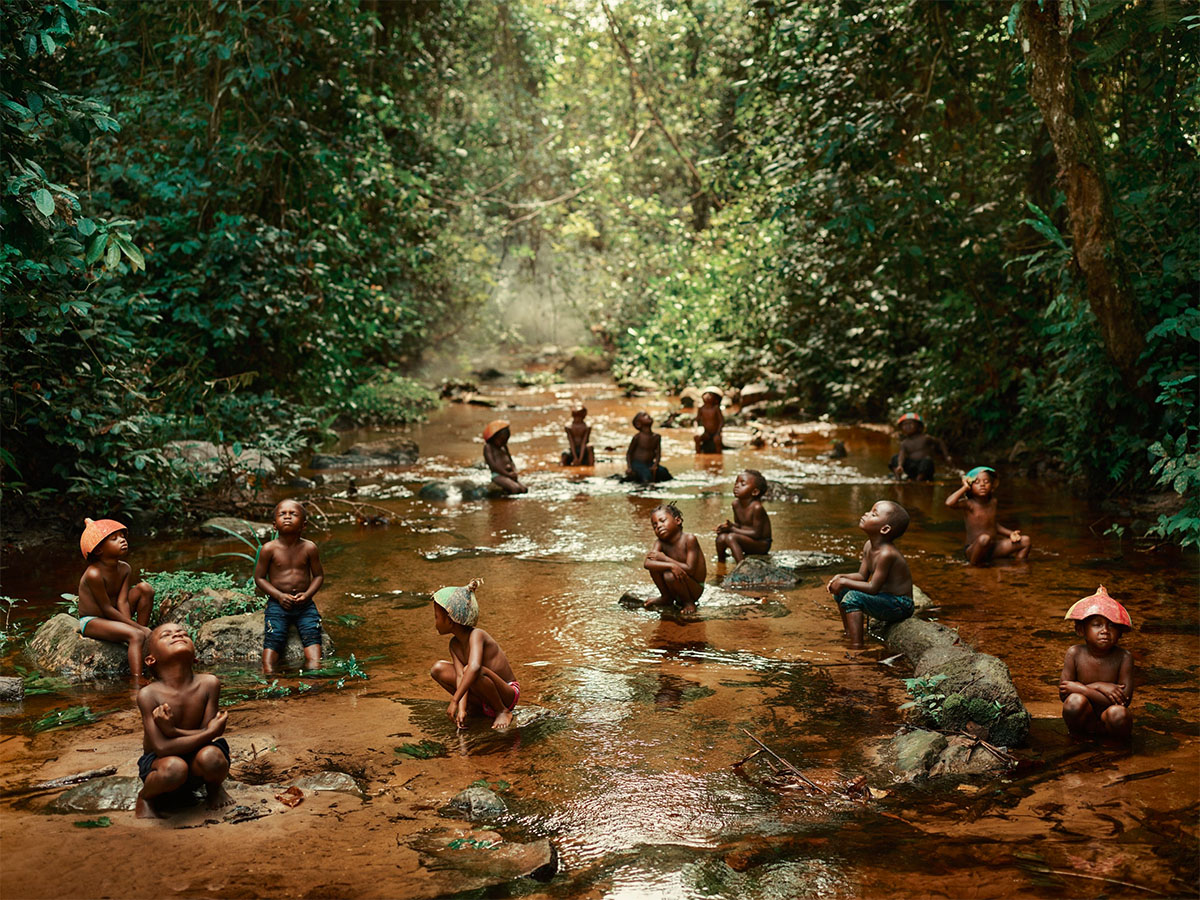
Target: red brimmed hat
{"x":94,"y":532}
{"x":494,"y":428}
{"x":1100,"y":604}
{"x":915,"y":417}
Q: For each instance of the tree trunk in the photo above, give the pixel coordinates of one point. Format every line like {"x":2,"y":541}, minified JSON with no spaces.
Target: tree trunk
{"x":1047,"y":47}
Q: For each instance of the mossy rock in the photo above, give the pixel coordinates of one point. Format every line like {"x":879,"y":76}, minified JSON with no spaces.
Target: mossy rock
{"x":978,"y":689}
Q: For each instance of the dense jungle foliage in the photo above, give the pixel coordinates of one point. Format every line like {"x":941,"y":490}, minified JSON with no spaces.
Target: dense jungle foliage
{"x":244,"y":221}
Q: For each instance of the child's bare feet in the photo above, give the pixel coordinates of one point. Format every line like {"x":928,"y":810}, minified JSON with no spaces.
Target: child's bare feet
{"x":219,"y":798}
{"x":689,"y":610}
{"x":503,"y":719}
{"x":143,"y":809}
{"x":655,"y":601}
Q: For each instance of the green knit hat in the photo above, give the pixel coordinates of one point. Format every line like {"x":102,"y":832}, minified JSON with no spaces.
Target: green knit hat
{"x":459,"y":602}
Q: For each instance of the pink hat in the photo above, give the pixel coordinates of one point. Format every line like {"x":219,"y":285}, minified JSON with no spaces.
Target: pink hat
{"x":95,"y":532}
{"x":916,"y":417}
{"x":494,"y":428}
{"x":1100,"y":604}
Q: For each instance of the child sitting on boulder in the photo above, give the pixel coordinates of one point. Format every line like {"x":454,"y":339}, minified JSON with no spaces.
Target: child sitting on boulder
{"x":986,"y":539}
{"x":1096,"y":687}
{"x":499,"y":460}
{"x":579,"y":452}
{"x":883,"y":586}
{"x":750,"y":530}
{"x":915,"y":459}
{"x":675,"y":562}
{"x":478,"y":675}
{"x":181,"y":726}
{"x":110,"y":608}
{"x":643,"y":459}
{"x":711,"y":420}
{"x":290,"y":573}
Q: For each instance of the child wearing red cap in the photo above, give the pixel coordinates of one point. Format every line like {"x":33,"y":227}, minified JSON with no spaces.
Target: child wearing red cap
{"x":499,"y":460}
{"x":915,"y":459}
{"x":1096,"y":687}
{"x":110,"y":608}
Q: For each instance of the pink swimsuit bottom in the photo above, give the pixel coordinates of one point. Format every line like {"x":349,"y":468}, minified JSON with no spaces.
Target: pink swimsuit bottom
{"x":516,"y":686}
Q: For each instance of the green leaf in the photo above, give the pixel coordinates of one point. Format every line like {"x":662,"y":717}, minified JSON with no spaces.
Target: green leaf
{"x":102,"y":822}
{"x":48,"y":43}
{"x":95,"y":249}
{"x":43,"y":200}
{"x":135,"y":255}
{"x":86,"y":227}
{"x":112,"y":255}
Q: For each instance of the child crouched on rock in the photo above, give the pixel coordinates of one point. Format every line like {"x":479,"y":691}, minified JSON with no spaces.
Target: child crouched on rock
{"x":478,"y":675}
{"x":1096,"y":686}
{"x":675,"y":562}
{"x":883,"y":586}
{"x":111,"y":607}
{"x":750,"y":530}
{"x":181,"y":727}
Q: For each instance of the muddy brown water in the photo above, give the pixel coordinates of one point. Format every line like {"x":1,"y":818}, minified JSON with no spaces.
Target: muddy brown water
{"x":630,"y":773}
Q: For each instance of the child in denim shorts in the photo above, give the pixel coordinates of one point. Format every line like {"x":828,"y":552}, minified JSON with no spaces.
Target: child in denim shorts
{"x":289,"y":572}
{"x":882,"y":587}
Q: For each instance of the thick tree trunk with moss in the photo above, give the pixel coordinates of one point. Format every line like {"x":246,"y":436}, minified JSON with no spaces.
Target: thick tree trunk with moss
{"x":1047,"y":46}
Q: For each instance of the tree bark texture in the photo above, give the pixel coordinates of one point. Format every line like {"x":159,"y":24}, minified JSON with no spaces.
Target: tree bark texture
{"x":1047,"y":47}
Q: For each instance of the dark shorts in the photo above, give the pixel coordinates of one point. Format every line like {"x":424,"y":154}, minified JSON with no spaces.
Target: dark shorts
{"x":183,"y":792}
{"x":306,"y":618}
{"x":708,"y":445}
{"x":914,"y":468}
{"x":641,"y":472}
{"x":886,"y":607}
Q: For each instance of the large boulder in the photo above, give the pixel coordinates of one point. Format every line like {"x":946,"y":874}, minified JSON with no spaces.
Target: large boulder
{"x":213,"y":528}
{"x":194,"y":610}
{"x":59,"y":648}
{"x":808,"y":559}
{"x":583,"y":362}
{"x":239,"y":639}
{"x":202,"y":457}
{"x":914,"y":637}
{"x":393,"y":451}
{"x":759,"y":572}
{"x":756,"y":393}
{"x":978,"y":690}
{"x":690,"y":398}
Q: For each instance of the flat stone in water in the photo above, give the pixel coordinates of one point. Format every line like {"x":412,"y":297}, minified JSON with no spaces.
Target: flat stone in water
{"x":474,"y":804}
{"x":807,"y":559}
{"x":329,"y":781}
{"x":714,"y":603}
{"x":463,"y":859}
{"x":115,"y":792}
{"x":915,"y":751}
{"x":760,"y":572}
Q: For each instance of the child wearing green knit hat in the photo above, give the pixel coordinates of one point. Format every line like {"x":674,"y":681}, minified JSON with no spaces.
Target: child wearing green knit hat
{"x":478,"y":675}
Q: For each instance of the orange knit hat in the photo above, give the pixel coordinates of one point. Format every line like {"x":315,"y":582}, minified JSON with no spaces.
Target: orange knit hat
{"x":94,"y":532}
{"x":493,"y":428}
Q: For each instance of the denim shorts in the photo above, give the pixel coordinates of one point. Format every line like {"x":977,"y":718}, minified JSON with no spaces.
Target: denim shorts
{"x":277,"y":619}
{"x":886,"y":607}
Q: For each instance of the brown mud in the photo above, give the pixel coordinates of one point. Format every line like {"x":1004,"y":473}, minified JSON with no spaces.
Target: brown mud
{"x":629,"y":773}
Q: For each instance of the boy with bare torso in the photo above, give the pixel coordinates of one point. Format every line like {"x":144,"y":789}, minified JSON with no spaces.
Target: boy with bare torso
{"x":750,"y":530}
{"x":290,"y":573}
{"x":882,"y":587}
{"x":643,"y":459}
{"x":1096,"y":686}
{"x":579,"y":452}
{"x":110,"y":607}
{"x":478,"y":675}
{"x":499,"y":460}
{"x":675,"y":562}
{"x":181,"y":726}
{"x":711,"y":420}
{"x":915,"y":459}
{"x":986,"y":538}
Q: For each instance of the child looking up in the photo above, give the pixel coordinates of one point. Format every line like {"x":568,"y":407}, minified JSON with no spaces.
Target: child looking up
{"x":579,"y":451}
{"x":915,"y":459}
{"x":477,"y":676}
{"x":290,"y":573}
{"x":1097,"y":676}
{"x":675,"y":562}
{"x":986,"y":539}
{"x":711,"y":421}
{"x":643,"y":459}
{"x":882,"y":587}
{"x":181,"y":726}
{"x":110,"y":608}
{"x":498,"y":459}
{"x":750,"y":530}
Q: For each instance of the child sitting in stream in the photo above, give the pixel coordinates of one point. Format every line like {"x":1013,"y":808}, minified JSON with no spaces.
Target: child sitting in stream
{"x":882,"y":587}
{"x":643,"y":459}
{"x":915,"y":459}
{"x":986,"y":538}
{"x":675,"y":562}
{"x":290,"y":573}
{"x":478,"y":675}
{"x":499,"y":460}
{"x":579,"y":452}
{"x":181,"y":727}
{"x":1096,"y":686}
{"x":110,"y":608}
{"x":750,"y":530}
{"x":711,"y":420}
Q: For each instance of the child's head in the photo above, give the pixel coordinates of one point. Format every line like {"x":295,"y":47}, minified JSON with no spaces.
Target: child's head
{"x":290,"y":516}
{"x":752,"y":483}
{"x":711,"y":395}
{"x":666,"y":519}
{"x":169,"y":642}
{"x":886,"y":518}
{"x":642,"y":421}
{"x":579,"y":412}
{"x":496,"y":432}
{"x":103,"y":537}
{"x":456,"y":605}
{"x":983,"y":480}
{"x":1100,"y":620}
{"x":910,"y":424}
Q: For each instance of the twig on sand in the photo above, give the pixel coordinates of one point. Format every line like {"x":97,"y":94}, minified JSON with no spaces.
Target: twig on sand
{"x":1001,"y":755}
{"x":74,"y":779}
{"x":812,"y":784}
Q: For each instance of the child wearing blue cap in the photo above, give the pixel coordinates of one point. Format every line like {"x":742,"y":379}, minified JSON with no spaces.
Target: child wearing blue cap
{"x":986,"y":538}
{"x":478,"y":675}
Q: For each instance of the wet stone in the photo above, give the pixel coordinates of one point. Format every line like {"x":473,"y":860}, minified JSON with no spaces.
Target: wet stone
{"x":239,"y":639}
{"x":962,"y":756}
{"x":474,"y":804}
{"x":915,"y":751}
{"x":715,"y":603}
{"x":465,"y":860}
{"x":921,"y":600}
{"x":461,"y":489}
{"x":12,"y":688}
{"x":196,"y":609}
{"x":914,"y":637}
{"x":213,"y":528}
{"x":758,"y":572}
{"x":329,"y":781}
{"x":58,"y":647}
{"x":115,"y":792}
{"x":808,"y":559}
{"x":978,"y":690}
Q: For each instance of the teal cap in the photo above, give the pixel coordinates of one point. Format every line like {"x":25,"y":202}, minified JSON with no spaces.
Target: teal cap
{"x":975,"y":471}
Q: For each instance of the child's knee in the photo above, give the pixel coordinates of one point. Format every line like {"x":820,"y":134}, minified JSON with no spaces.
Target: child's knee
{"x":1115,"y":717}
{"x":172,"y":771}
{"x":984,"y":540}
{"x":440,"y":670}
{"x":211,"y":764}
{"x":1075,"y":705}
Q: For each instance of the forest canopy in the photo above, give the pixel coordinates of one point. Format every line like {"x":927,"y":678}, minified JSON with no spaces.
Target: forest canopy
{"x":245,"y":222}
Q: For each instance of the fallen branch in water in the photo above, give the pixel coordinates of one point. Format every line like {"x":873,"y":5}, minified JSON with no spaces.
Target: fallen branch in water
{"x":812,"y":784}
{"x":1046,"y":870}
{"x":745,"y":759}
{"x":1002,"y":755}
{"x":65,"y":781}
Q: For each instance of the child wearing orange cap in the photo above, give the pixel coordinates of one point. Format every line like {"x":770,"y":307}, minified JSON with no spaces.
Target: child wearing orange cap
{"x":987,"y":539}
{"x":711,"y":421}
{"x":477,"y":675}
{"x":498,"y":459}
{"x":1096,"y":686}
{"x":915,"y":459}
{"x":110,"y":608}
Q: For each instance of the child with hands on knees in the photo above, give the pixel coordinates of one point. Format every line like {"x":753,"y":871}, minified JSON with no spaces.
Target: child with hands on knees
{"x":1096,"y":686}
{"x":110,"y":607}
{"x":750,"y":530}
{"x":883,"y":586}
{"x":675,"y":562}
